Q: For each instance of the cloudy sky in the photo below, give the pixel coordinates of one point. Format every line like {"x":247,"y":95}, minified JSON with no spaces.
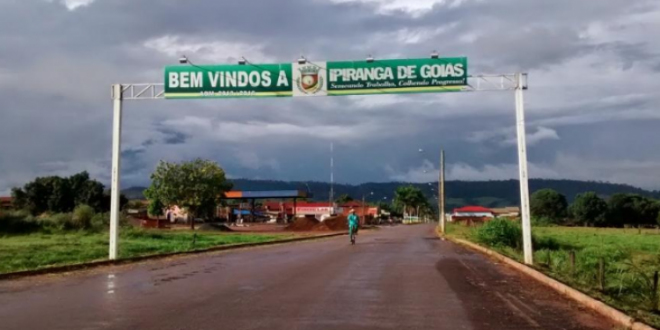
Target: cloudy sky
{"x":592,"y":108}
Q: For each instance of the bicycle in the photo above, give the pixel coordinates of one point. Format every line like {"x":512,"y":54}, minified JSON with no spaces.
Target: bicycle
{"x":352,"y":230}
{"x":352,"y":225}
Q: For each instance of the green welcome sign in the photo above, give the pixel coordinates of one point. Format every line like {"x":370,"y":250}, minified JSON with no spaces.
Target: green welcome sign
{"x":317,"y":78}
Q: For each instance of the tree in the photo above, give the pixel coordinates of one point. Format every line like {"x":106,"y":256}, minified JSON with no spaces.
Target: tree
{"x":106,"y":203}
{"x":35,"y":199}
{"x":61,"y":198}
{"x":632,"y":209}
{"x":427,"y":211}
{"x":47,"y":194}
{"x":384,"y":206}
{"x":155,"y":208}
{"x":343,"y":199}
{"x":58,"y":194}
{"x":647,"y":211}
{"x":589,"y":210}
{"x":621,"y":209}
{"x":19,"y":198}
{"x":77,"y":183}
{"x":396,"y":208}
{"x":409,"y":198}
{"x":191,"y":185}
{"x":549,"y":204}
{"x":89,"y":193}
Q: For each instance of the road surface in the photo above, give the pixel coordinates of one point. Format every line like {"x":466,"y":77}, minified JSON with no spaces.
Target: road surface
{"x":394,"y":278}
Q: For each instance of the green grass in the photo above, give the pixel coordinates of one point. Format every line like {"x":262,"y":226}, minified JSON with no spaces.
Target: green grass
{"x":630,"y":257}
{"x":639,"y":241}
{"x":38,"y":250}
{"x":460,"y":231}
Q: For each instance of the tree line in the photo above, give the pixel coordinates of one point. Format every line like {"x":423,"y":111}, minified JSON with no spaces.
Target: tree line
{"x":408,"y":200}
{"x":589,"y":209}
{"x":73,"y":202}
{"x":56,"y":194}
{"x":496,"y":193}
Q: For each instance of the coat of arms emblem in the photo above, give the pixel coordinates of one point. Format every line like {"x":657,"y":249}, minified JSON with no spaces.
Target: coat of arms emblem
{"x":310,"y":82}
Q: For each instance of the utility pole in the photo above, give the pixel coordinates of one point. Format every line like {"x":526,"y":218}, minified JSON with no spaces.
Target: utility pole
{"x":116,"y":169}
{"x":332,"y":177}
{"x":441,"y":191}
{"x":522,"y":166}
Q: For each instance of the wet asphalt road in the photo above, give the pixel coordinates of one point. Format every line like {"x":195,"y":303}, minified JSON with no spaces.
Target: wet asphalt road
{"x":394,"y":278}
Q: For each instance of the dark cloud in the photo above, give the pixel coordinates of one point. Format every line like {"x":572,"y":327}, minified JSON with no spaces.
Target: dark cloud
{"x":173,"y":137}
{"x":630,"y":54}
{"x":593,"y":67}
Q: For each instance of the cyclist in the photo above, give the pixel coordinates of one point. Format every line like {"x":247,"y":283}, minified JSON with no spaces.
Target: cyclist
{"x":352,"y":225}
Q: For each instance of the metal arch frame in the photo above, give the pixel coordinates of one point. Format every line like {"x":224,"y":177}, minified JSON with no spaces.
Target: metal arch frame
{"x":478,"y":83}
{"x":497,"y":82}
{"x":142,"y":91}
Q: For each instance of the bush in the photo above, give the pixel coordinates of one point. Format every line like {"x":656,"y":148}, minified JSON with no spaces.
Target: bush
{"x":56,"y":222}
{"x":501,"y":233}
{"x":100,"y":221}
{"x":82,"y":217}
{"x":17,"y":222}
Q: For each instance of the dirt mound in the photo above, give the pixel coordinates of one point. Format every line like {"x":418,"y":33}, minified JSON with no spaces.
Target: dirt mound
{"x":214,"y":227}
{"x":303,"y":224}
{"x":336,"y":223}
{"x":321,"y":227}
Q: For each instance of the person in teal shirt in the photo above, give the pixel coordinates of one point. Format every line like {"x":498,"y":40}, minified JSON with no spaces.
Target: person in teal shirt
{"x":352,"y":222}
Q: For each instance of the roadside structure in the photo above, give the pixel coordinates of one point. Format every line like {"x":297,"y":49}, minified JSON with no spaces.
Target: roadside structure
{"x":472,"y":214}
{"x":510,"y":212}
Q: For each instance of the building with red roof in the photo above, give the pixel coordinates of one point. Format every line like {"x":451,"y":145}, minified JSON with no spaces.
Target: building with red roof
{"x":472,"y":214}
{"x":321,"y":208}
{"x":6,"y":202}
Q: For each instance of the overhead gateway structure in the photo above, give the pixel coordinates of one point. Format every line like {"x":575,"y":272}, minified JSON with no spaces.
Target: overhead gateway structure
{"x":305,"y":78}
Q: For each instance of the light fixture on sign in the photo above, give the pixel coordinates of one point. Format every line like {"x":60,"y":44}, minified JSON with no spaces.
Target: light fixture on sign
{"x":302,"y":60}
{"x":370,"y":59}
{"x":242,"y":61}
{"x":183,"y":59}
{"x":435,"y":55}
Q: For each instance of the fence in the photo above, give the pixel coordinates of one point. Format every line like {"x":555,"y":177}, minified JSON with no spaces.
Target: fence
{"x":629,"y":280}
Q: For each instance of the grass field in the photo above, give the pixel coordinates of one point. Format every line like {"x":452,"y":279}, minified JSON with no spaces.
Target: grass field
{"x":38,"y":250}
{"x":629,"y":258}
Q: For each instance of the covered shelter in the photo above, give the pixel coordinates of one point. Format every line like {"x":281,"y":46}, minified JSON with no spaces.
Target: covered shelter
{"x":247,"y":201}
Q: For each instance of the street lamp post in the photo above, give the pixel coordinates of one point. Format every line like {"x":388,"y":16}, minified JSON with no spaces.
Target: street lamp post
{"x":441,"y":192}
